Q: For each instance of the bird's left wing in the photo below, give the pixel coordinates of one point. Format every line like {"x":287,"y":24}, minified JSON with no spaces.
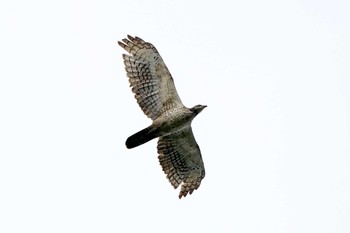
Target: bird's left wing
{"x":181,"y":160}
{"x":149,"y":77}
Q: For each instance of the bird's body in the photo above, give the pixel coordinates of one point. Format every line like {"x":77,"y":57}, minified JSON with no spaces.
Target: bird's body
{"x":155,"y":92}
{"x":168,"y":123}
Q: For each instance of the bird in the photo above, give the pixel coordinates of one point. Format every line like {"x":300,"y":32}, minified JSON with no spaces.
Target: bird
{"x":154,"y":89}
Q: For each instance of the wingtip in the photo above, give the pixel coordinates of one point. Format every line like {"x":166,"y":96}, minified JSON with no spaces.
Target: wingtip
{"x":120,"y":44}
{"x":182,"y":194}
{"x":130,"y":37}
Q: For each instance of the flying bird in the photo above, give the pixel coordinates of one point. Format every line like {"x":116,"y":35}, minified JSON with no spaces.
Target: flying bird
{"x":155,"y":92}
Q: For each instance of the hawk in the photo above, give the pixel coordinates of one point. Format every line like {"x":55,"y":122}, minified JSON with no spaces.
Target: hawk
{"x":154,"y":90}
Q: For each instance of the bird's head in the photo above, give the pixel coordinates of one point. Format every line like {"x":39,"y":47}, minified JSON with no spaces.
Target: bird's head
{"x":198,"y":108}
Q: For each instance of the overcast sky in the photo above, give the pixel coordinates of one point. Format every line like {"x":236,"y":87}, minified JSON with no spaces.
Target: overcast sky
{"x":275,"y":138}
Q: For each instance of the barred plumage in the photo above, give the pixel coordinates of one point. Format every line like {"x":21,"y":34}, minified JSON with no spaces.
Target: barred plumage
{"x":154,"y":90}
{"x":148,"y":75}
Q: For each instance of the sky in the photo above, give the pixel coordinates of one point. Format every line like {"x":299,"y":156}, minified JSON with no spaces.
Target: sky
{"x":275,"y":137}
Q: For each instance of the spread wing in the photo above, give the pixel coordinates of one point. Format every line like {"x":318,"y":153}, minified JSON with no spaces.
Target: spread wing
{"x":149,"y":77}
{"x":181,"y":160}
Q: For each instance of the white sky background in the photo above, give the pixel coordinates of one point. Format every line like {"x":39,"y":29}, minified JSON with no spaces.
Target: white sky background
{"x":275,"y":137}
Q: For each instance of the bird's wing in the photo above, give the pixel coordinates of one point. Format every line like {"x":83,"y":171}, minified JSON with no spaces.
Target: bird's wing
{"x":149,"y":78}
{"x":181,"y":160}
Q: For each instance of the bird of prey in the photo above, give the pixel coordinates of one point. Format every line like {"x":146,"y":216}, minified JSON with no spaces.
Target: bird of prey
{"x":154,"y":90}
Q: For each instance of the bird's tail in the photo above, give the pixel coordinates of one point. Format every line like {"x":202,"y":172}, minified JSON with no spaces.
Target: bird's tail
{"x":141,"y":137}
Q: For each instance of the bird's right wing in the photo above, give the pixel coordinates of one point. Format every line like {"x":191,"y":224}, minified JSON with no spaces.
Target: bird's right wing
{"x":181,"y":160}
{"x":149,"y":77}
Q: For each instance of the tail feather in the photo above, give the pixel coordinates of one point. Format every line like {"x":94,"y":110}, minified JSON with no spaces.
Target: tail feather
{"x":140,"y":137}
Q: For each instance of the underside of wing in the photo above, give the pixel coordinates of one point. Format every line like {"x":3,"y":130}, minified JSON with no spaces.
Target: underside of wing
{"x":181,"y":160}
{"x":149,"y":78}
